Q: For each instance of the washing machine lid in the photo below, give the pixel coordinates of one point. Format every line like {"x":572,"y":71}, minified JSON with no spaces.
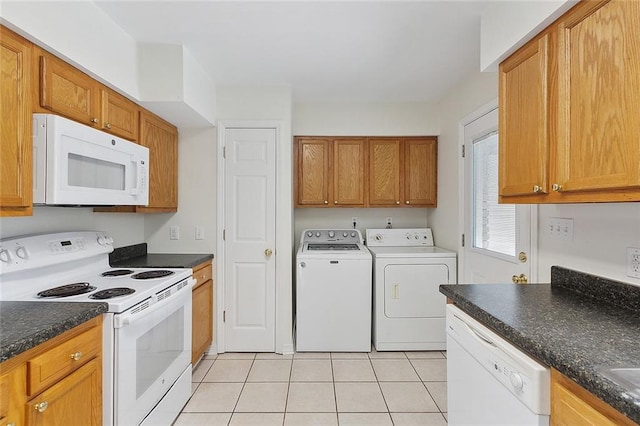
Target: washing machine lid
{"x":410,"y":252}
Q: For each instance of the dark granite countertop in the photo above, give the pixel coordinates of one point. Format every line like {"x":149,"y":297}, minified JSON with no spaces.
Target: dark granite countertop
{"x":136,"y":256}
{"x":24,"y":325}
{"x":565,"y":325}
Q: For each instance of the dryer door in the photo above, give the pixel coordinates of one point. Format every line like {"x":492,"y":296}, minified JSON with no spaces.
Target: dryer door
{"x":411,"y":291}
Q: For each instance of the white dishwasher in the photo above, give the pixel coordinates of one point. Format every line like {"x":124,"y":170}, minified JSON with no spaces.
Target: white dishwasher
{"x":489,"y":381}
{"x":333,"y":292}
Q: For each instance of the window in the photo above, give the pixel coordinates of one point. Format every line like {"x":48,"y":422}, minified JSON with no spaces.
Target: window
{"x":494,"y":225}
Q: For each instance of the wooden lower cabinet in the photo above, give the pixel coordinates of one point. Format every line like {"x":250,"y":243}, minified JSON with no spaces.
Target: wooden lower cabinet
{"x":202,"y":311}
{"x":59,"y":382}
{"x":573,"y":405}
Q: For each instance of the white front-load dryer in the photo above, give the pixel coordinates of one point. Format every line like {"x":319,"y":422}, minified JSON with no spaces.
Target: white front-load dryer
{"x":408,"y":308}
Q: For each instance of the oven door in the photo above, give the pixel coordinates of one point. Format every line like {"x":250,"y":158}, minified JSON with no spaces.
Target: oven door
{"x":152,"y":349}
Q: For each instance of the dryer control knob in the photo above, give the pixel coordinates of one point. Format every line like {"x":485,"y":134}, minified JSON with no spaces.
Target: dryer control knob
{"x":344,"y":234}
{"x":353,"y":234}
{"x":309,"y":234}
{"x":378,"y":237}
{"x":318,"y":234}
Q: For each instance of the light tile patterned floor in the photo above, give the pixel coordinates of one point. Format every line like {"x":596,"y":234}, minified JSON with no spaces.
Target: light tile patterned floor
{"x":379,"y":388}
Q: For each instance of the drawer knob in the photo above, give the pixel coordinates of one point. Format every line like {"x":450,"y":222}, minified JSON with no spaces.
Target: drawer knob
{"x":537,"y":188}
{"x":107,"y":126}
{"x":326,"y":202}
{"x":41,"y":408}
{"x":556,"y":187}
{"x":397,"y":202}
{"x":407,"y":202}
{"x":202,"y":276}
{"x":76,"y":356}
{"x":94,"y":120}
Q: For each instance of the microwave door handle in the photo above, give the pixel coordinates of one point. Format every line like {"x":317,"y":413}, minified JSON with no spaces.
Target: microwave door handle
{"x":136,"y":189}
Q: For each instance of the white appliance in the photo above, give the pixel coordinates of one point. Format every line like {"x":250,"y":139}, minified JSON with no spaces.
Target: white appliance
{"x":74,"y":164}
{"x":333,"y":292}
{"x":147,"y":330}
{"x":408,"y":308}
{"x":489,"y":381}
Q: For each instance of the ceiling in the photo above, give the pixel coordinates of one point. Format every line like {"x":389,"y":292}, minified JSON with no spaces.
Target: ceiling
{"x":326,"y":51}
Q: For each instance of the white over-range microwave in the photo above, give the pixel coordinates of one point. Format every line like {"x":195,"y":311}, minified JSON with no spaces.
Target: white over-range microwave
{"x":74,"y":164}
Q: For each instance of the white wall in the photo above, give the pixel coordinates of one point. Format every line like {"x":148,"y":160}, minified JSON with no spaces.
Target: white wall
{"x":124,"y":228}
{"x":475,"y":91}
{"x":196,"y":198}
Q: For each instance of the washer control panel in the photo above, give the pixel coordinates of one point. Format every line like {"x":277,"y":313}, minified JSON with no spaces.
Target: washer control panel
{"x":410,"y":237}
{"x":343,"y":236}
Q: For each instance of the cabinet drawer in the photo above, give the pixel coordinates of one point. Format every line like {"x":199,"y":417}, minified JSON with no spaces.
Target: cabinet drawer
{"x":203,"y":274}
{"x":4,"y":396}
{"x":51,"y":366}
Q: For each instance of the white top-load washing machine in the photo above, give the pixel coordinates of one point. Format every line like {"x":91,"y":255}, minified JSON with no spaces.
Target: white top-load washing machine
{"x":408,"y":308}
{"x":333,"y":292}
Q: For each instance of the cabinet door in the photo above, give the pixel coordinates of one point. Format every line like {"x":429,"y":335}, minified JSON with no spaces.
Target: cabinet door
{"x":75,"y":400}
{"x":420,"y":172}
{"x":202,"y":318}
{"x":68,"y":91}
{"x":162,"y":140}
{"x":119,"y":115}
{"x":15,"y":132}
{"x":349,"y":159}
{"x":599,"y":97}
{"x":312,"y":171}
{"x":524,"y":114}
{"x":12,"y":396}
{"x":384,"y":172}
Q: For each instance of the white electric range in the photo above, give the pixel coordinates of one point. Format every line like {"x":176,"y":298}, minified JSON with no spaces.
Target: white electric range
{"x":147,"y":329}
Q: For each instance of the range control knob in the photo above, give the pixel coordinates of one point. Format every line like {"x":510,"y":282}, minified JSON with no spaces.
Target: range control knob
{"x":5,"y":256}
{"x":332,"y":234}
{"x":22,"y":253}
{"x":516,"y":380}
{"x":102,"y":240}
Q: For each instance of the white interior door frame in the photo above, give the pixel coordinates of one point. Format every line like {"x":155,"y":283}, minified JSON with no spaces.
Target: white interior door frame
{"x":533,"y":255}
{"x":282,"y":246}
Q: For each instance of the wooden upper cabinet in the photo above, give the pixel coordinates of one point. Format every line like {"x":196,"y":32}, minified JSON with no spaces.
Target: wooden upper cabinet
{"x":312,"y":157}
{"x":421,"y":172}
{"x":524,"y":112}
{"x":385,"y":172}
{"x":15,"y":131}
{"x":349,"y":159}
{"x":162,"y":140}
{"x":119,"y":115}
{"x":599,"y":97}
{"x":66,"y":90}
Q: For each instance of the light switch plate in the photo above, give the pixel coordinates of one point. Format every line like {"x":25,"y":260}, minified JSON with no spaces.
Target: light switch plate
{"x":633,"y":262}
{"x":199,"y":233}
{"x":560,"y":228}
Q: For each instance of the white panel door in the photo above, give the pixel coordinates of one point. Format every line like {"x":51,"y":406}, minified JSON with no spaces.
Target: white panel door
{"x":250,"y":231}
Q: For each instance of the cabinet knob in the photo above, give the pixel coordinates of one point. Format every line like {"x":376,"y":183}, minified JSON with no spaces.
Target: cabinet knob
{"x":94,"y":120}
{"x":326,"y":202}
{"x":397,"y":202}
{"x":335,"y":202}
{"x":76,"y":356}
{"x":202,"y":276}
{"x":107,"y":126}
{"x":537,"y":188}
{"x":41,"y":408}
{"x":556,"y":187}
{"x":407,"y":202}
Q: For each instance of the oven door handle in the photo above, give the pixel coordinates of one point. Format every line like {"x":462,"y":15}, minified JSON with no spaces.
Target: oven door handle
{"x":120,"y":322}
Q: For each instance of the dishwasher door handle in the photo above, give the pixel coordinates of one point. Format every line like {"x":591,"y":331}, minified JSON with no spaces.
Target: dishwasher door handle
{"x":476,"y":333}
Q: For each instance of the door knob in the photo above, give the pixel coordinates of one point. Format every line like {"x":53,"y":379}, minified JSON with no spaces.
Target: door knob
{"x":268,"y":252}
{"x":520,"y":279}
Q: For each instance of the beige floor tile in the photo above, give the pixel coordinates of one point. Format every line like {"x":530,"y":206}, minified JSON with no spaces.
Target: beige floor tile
{"x":262,"y":419}
{"x":194,"y":387}
{"x":359,"y":398}
{"x":237,"y":355}
{"x":349,"y":355}
{"x":263,"y":398}
{"x":431,"y":370}
{"x":199,"y":419}
{"x":311,"y":398}
{"x":353,"y":370}
{"x":214,"y":398}
{"x":407,"y":397}
{"x":424,"y":354}
{"x":201,"y":370}
{"x":391,"y":354}
{"x":438,"y":391}
{"x":312,"y":355}
{"x":311,"y":370}
{"x":310,"y":419}
{"x":264,"y":370}
{"x":271,"y":355}
{"x":210,"y":356}
{"x":418,"y":419}
{"x":446,"y":416}
{"x":369,"y":419}
{"x":228,"y":370}
{"x":394,"y":370}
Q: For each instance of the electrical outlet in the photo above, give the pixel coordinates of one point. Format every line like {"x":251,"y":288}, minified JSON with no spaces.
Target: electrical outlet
{"x":354,"y":221}
{"x":389,"y":222}
{"x":174,"y":232}
{"x":633,"y":262}
{"x":199,"y":233}
{"x":560,"y":228}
